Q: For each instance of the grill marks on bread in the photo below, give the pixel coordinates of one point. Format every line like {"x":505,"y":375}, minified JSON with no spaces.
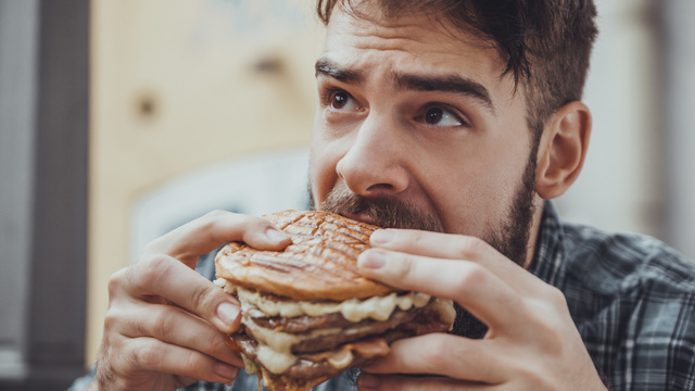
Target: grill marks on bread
{"x":320,"y":264}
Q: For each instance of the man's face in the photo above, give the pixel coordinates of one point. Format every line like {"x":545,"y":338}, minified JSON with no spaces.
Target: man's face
{"x":417,"y":129}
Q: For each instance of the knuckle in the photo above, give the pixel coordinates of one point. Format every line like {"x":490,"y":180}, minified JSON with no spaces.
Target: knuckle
{"x":213,"y":218}
{"x":150,"y":270}
{"x":163,"y":324}
{"x":549,"y":331}
{"x":405,"y":266}
{"x":219,"y":345}
{"x":222,"y":218}
{"x":257,"y":223}
{"x":471,"y":276}
{"x":254,"y":223}
{"x":148,"y":356}
{"x":115,"y":282}
{"x":193,"y":361}
{"x":471,"y":247}
{"x":203,"y":297}
{"x":216,"y":214}
{"x":416,"y":237}
{"x":111,"y":320}
{"x":556,"y":297}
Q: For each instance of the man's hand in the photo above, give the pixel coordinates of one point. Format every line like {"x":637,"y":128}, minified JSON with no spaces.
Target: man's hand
{"x":532,"y":342}
{"x":166,"y":325}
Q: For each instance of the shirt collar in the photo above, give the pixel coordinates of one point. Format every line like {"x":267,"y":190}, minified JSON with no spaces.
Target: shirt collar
{"x":548,"y":261}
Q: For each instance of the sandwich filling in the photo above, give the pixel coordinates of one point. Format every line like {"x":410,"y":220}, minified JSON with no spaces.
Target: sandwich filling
{"x":304,"y":339}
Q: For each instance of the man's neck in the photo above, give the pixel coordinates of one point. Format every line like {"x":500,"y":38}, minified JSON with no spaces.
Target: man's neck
{"x":534,"y":231}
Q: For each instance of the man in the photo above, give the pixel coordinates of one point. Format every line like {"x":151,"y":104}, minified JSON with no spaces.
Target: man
{"x":452,"y":123}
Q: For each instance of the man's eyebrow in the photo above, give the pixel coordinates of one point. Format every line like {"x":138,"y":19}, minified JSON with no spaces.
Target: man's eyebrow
{"x":446,"y":83}
{"x":327,"y":68}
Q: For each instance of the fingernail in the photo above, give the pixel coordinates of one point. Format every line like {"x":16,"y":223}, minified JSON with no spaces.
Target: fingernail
{"x":275,"y":236}
{"x":227,"y":312}
{"x":369,"y":381}
{"x":372,"y":259}
{"x":226,"y":371}
{"x":381,"y":236}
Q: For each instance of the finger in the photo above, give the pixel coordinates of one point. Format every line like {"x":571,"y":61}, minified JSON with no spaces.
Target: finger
{"x":453,"y":246}
{"x":150,"y":355}
{"x":202,"y":235}
{"x":475,"y":288}
{"x":407,"y":383}
{"x":165,"y":277}
{"x":173,"y":325}
{"x":443,"y":354}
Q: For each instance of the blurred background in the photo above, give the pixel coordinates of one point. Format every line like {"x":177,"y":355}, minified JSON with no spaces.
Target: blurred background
{"x":122,"y":119}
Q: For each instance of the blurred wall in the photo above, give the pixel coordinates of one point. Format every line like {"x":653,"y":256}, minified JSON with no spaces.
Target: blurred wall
{"x":641,"y":87}
{"x":677,"y":46}
{"x":179,"y":86}
{"x":619,"y":188}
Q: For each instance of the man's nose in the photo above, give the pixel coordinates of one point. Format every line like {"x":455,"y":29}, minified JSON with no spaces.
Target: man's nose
{"x":373,"y":165}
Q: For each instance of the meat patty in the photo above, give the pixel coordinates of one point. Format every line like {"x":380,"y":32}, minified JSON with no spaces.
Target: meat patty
{"x":298,"y":324}
{"x":305,"y":323}
{"x":311,"y":352}
{"x":312,"y":365}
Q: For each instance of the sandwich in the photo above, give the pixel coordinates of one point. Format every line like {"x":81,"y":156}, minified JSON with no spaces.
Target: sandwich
{"x":307,"y":314}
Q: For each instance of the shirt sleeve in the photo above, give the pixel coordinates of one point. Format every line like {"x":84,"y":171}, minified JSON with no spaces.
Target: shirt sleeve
{"x":663,"y":351}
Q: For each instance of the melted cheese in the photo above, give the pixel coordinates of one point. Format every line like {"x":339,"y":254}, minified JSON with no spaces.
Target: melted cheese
{"x":353,"y":310}
{"x":278,"y":362}
{"x":274,"y":361}
{"x":277,"y":340}
{"x":274,"y":347}
{"x":341,"y":359}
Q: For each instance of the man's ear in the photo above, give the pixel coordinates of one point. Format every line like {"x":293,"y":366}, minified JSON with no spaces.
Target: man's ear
{"x":562,"y":149}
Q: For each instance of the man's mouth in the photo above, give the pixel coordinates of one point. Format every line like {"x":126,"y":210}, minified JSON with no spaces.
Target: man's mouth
{"x":380,"y":211}
{"x":363,"y":217}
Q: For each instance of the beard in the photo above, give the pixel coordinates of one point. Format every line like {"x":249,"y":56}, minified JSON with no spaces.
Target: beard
{"x":386,"y":212}
{"x":510,"y":237}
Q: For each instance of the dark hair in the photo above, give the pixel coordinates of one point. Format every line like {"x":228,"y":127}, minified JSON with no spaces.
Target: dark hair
{"x":546,"y":44}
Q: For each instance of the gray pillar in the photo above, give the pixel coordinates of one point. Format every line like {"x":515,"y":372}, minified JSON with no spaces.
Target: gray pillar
{"x":678,"y":48}
{"x":43,"y":191}
{"x":18,"y":47}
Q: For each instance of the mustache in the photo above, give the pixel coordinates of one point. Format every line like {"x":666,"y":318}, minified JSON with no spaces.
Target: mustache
{"x":387,"y":212}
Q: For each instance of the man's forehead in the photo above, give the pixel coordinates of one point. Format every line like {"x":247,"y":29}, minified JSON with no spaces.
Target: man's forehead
{"x":410,"y":44}
{"x":397,"y":29}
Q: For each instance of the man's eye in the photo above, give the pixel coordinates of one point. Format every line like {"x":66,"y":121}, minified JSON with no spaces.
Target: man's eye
{"x":439,"y":116}
{"x":341,"y":100}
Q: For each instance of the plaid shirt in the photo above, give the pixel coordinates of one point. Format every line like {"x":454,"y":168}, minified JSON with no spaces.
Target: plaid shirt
{"x":631,"y":297}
